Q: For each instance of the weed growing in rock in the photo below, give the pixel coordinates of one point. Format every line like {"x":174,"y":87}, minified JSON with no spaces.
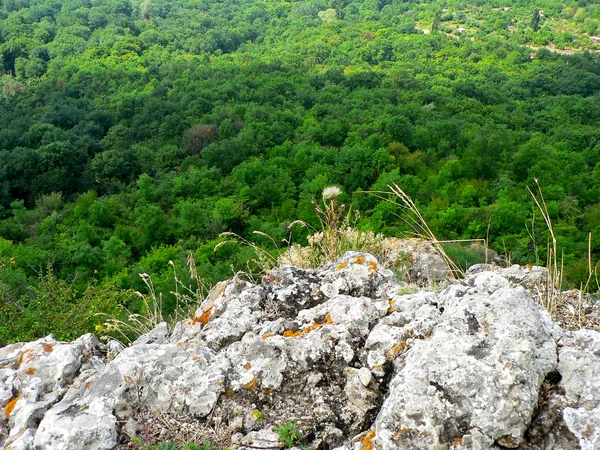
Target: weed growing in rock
{"x":551,"y":295}
{"x":289,"y":434}
{"x":337,"y":235}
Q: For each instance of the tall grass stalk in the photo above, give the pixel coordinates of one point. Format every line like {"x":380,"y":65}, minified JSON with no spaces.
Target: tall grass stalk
{"x":264,"y":260}
{"x":551,"y":294}
{"x":418,"y":224}
{"x":133,"y":325}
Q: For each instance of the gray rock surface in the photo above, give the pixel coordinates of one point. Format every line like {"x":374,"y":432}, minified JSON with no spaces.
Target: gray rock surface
{"x":580,"y":370}
{"x":476,"y":378}
{"x":343,"y":351}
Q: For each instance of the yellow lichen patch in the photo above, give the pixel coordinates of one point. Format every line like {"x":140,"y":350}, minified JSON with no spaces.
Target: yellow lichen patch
{"x":313,"y":326}
{"x":396,"y":350}
{"x":251,"y":385}
{"x":247,"y":366}
{"x":342,"y":265}
{"x":360,"y":260}
{"x":48,"y":347}
{"x":290,"y":333}
{"x":204,"y":317}
{"x":8,"y":409}
{"x":373,"y":266}
{"x":456,"y":442}
{"x":268,"y":335}
{"x":128,"y":379}
{"x":195,"y":357}
{"x":391,"y":307}
{"x":31,"y":371}
{"x":367,"y":439}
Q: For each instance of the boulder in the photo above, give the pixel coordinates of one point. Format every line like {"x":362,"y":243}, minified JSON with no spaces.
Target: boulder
{"x":346,"y":352}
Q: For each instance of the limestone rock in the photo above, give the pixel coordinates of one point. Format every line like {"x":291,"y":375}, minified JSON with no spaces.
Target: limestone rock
{"x":422,"y":262}
{"x":476,"y":379}
{"x":343,"y":352}
{"x":580,"y":370}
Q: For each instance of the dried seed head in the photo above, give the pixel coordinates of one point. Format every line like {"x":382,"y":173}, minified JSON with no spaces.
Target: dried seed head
{"x":331,"y":192}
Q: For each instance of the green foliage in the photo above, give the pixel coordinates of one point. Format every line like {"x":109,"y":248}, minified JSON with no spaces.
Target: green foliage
{"x":289,"y":434}
{"x":134,"y":133}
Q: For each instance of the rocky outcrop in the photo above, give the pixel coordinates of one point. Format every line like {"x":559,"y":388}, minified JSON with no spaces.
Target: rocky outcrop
{"x":347,"y":352}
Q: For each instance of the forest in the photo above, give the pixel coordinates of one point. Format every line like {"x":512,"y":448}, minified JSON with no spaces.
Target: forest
{"x":133,"y":133}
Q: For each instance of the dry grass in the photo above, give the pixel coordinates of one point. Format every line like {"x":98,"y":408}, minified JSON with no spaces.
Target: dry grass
{"x":550,"y":294}
{"x":418,"y":224}
{"x":132,"y":325}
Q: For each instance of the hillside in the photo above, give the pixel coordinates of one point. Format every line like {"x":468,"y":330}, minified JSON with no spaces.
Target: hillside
{"x":134,"y":133}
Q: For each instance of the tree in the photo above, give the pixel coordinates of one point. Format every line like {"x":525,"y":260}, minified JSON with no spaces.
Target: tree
{"x":535,"y":19}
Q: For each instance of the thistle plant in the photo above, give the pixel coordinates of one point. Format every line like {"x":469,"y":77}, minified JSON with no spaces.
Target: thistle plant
{"x":336,"y":236}
{"x":330,"y":217}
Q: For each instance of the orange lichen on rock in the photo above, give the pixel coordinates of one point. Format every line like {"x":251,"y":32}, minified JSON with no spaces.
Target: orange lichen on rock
{"x":251,"y":385}
{"x":396,"y":350}
{"x":367,"y":439}
{"x":400,"y":432}
{"x":373,"y":266}
{"x":269,"y":278}
{"x":247,"y":366}
{"x":204,"y":317}
{"x":290,"y":333}
{"x":31,"y":371}
{"x":360,"y":260}
{"x":8,"y":409}
{"x":456,"y":442}
{"x":312,"y":327}
{"x":195,"y":357}
{"x":48,"y":347}
{"x":88,"y":384}
{"x":391,"y":307}
{"x":342,"y":265}
{"x":268,"y":335}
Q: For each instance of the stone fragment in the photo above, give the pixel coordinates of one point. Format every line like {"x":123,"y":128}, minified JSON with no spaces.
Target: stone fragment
{"x":477,"y":378}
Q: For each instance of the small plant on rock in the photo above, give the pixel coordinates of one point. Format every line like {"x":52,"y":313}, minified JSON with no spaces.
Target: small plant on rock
{"x":337,"y":235}
{"x":289,"y":434}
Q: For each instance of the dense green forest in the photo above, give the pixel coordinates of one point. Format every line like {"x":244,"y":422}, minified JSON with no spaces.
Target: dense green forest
{"x":133,"y":133}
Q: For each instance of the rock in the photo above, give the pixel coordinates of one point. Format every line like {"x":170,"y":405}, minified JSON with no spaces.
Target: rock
{"x":176,"y":376}
{"x":476,"y":379}
{"x":531,"y":278}
{"x":418,"y":258}
{"x":343,"y":352}
{"x":579,"y":368}
{"x":34,"y":376}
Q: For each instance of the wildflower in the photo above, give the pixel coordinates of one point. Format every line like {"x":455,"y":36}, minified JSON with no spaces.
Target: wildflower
{"x":331,"y":192}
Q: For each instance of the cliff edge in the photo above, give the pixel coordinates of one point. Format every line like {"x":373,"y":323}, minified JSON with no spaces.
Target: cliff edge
{"x":349,"y":353}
